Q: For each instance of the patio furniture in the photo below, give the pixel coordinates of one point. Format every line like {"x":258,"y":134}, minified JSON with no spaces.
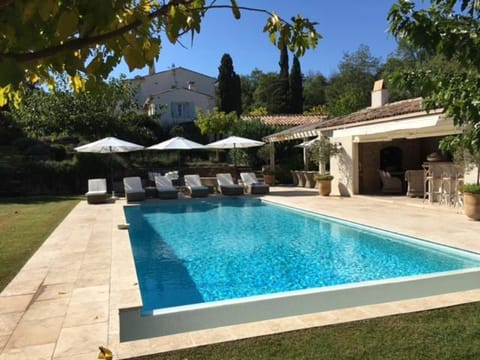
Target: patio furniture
{"x":414,"y":179}
{"x":252,"y":185}
{"x":134,"y":190}
{"x":309,"y":179}
{"x":390,"y":184}
{"x":97,"y":191}
{"x":151,"y":176}
{"x":194,"y":186}
{"x":294,"y":178}
{"x":165,"y":188}
{"x":434,"y":172}
{"x":300,"y":178}
{"x":227,"y":186}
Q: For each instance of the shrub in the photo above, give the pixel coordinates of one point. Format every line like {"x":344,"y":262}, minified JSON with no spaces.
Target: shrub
{"x":471,"y":188}
{"x":323,"y":177}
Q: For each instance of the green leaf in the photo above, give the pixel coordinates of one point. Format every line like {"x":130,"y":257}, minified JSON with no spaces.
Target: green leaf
{"x":47,"y":8}
{"x":133,"y":59}
{"x":67,"y":23}
{"x":28,"y":10}
{"x":235,"y":9}
{"x":11,"y":73}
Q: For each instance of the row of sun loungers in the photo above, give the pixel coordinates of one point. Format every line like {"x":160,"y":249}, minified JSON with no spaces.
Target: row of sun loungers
{"x":134,"y":191}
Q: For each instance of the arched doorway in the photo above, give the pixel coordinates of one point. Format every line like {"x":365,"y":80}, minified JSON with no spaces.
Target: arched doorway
{"x":391,"y":159}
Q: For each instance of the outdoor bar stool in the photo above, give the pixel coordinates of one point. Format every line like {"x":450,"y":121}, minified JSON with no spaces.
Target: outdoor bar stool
{"x":447,"y":189}
{"x":458,"y":197}
{"x":432,"y":184}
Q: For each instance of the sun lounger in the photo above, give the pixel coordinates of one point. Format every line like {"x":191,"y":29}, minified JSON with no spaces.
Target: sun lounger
{"x":390,"y":184}
{"x":252,"y":185}
{"x":97,"y":191}
{"x":165,"y":189}
{"x":133,"y":189}
{"x":194,"y":186}
{"x":227,"y":186}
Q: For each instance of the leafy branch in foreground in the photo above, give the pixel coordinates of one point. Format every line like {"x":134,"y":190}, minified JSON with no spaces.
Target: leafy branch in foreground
{"x":42,"y":38}
{"x":449,"y":28}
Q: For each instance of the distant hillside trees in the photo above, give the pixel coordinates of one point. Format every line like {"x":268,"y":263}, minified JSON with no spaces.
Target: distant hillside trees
{"x":229,"y":91}
{"x":345,"y":91}
{"x":349,"y":90}
{"x":89,"y":116}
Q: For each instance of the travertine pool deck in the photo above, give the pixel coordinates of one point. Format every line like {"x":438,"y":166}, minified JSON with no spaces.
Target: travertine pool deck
{"x":64,"y":303}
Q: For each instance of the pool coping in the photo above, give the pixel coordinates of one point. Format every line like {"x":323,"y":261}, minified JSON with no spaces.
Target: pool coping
{"x":90,"y":232}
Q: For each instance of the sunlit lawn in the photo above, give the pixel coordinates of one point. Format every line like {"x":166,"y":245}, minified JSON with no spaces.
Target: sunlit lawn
{"x":25,"y":223}
{"x":450,"y":333}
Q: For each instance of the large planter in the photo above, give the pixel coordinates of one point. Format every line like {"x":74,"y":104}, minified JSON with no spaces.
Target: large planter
{"x":300,"y":178}
{"x":269,"y":179}
{"x":471,"y":205}
{"x":324,"y":187}
{"x":309,"y":179}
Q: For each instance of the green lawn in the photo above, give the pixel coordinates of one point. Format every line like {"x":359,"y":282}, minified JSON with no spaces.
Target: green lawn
{"x":450,"y":333}
{"x":25,"y":223}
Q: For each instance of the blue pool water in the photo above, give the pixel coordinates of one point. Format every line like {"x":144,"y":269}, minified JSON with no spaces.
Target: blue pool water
{"x":189,"y":252}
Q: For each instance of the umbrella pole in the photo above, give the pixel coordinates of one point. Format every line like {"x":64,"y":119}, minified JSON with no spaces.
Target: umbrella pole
{"x":235,"y":161}
{"x":111,"y":173}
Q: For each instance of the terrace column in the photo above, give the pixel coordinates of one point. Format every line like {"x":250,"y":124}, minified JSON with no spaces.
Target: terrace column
{"x":272,"y":155}
{"x":305,"y":156}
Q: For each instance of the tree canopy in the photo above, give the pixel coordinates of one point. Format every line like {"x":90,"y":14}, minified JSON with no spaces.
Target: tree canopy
{"x":296,"y":88}
{"x":449,"y":28}
{"x":229,"y":92}
{"x":89,"y":116}
{"x":85,"y":39}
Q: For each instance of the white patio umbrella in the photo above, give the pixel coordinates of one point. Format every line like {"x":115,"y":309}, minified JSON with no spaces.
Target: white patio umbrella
{"x":177,"y":143}
{"x":307,"y":143}
{"x":234,"y":142}
{"x":109,"y":145}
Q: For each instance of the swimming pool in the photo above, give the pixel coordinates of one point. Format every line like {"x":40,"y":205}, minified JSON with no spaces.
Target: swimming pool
{"x":208,"y":251}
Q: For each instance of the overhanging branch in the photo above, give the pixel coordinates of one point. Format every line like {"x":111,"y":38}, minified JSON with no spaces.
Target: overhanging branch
{"x":80,"y":43}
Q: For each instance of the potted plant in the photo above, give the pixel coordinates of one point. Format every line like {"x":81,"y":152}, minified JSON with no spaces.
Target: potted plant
{"x":466,"y":154}
{"x":324,"y":184}
{"x":268,"y":175}
{"x":320,"y":153}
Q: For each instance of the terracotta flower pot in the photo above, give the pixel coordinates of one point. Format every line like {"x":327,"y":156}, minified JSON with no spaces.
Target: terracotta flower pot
{"x":471,"y":205}
{"x":269,"y":179}
{"x":324,"y":187}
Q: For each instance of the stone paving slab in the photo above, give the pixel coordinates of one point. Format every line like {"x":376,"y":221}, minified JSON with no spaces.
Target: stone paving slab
{"x":65,"y":302}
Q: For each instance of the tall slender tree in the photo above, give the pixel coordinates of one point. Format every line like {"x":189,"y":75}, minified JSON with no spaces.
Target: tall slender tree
{"x":296,"y":88}
{"x":229,"y":91}
{"x":280,"y":103}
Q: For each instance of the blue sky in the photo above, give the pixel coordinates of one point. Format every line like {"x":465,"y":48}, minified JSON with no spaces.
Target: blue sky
{"x":344,"y":25}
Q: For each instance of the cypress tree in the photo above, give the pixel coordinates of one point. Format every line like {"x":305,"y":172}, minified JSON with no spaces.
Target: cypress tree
{"x":296,"y":88}
{"x":280,"y":88}
{"x":229,"y":92}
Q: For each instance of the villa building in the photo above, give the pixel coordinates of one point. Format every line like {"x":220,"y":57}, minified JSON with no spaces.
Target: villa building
{"x":394,"y":137}
{"x":175,"y":94}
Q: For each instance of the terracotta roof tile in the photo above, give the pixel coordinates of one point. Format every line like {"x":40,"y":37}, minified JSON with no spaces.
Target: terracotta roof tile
{"x":286,"y":120}
{"x":386,"y":112}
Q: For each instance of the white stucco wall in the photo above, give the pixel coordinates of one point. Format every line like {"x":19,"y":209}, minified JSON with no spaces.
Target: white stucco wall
{"x":176,"y":85}
{"x":471,"y":176}
{"x":344,"y":167}
{"x":175,"y":96}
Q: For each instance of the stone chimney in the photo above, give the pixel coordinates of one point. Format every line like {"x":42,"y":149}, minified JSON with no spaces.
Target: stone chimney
{"x":379,"y":94}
